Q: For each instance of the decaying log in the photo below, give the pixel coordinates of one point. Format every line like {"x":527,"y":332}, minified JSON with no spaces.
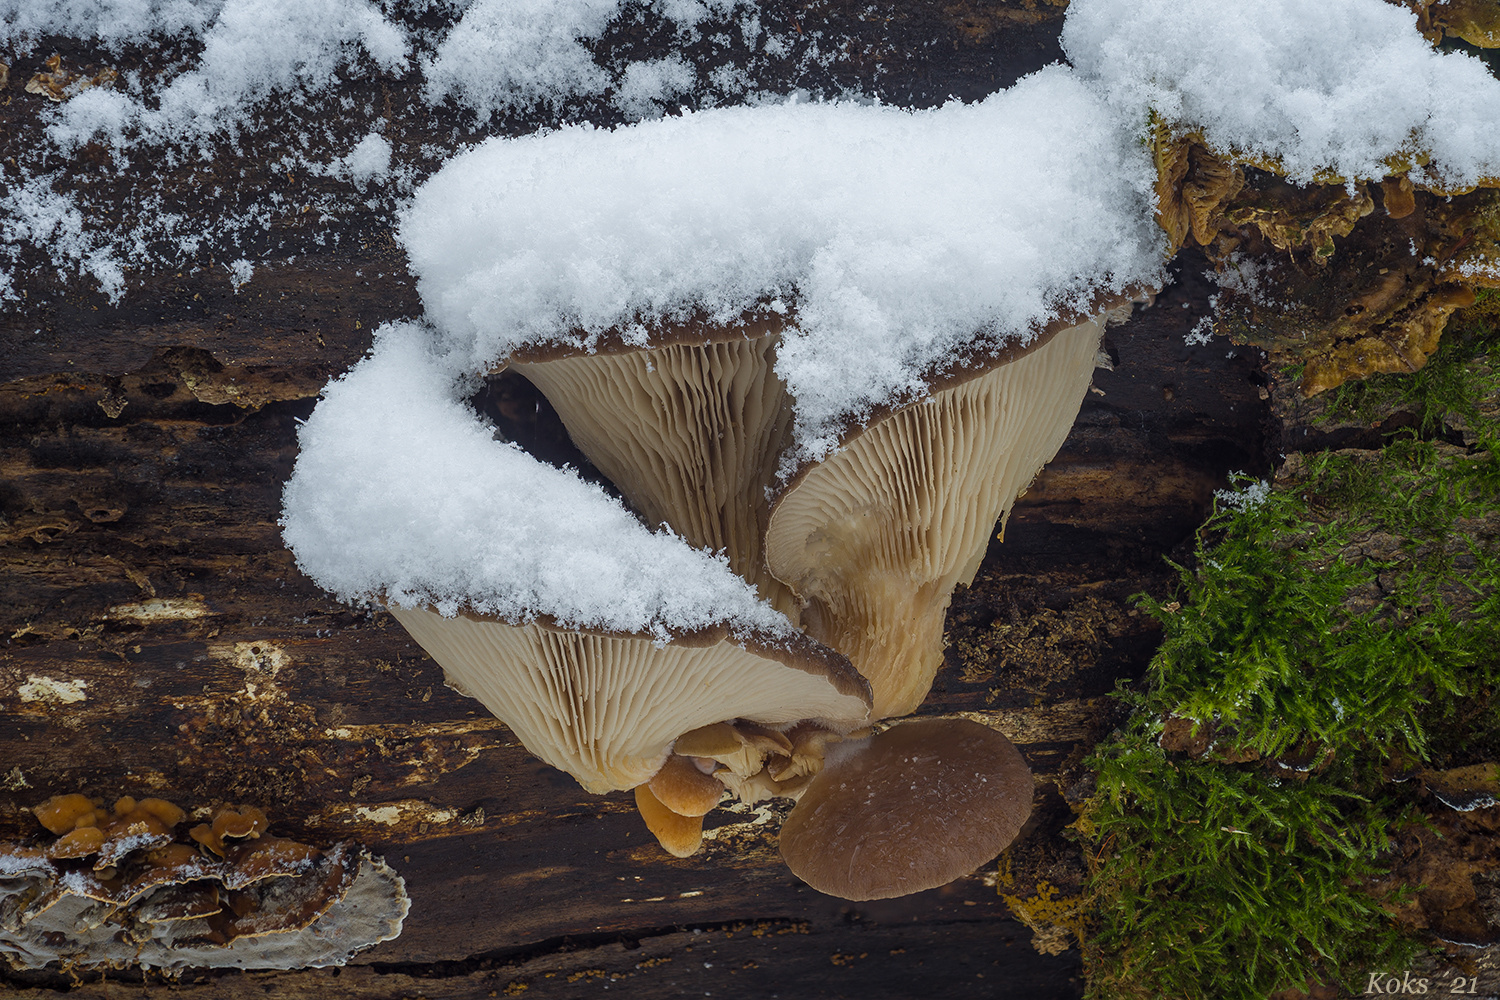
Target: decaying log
{"x":160,"y":641}
{"x":157,"y":639}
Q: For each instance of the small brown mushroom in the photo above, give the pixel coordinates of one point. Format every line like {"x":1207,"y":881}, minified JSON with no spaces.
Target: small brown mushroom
{"x":685,"y":788}
{"x":180,"y":902}
{"x":61,"y":813}
{"x":679,"y":835}
{"x":229,"y":821}
{"x":163,"y":810}
{"x":909,"y":809}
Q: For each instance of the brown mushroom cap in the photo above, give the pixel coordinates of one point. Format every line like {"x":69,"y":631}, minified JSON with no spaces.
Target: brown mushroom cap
{"x":685,"y":788}
{"x":61,"y":813}
{"x":874,"y":539}
{"x":915,"y":807}
{"x":606,"y":708}
{"x":689,"y":430}
{"x":679,"y":835}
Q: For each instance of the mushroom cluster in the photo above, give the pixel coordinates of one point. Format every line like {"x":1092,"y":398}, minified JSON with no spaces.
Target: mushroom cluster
{"x":862,"y":550}
{"x":853,"y":560}
{"x":820,"y":351}
{"x":117,"y":887}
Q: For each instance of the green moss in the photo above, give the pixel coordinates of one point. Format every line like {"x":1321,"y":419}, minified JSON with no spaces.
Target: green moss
{"x":1348,"y":616}
{"x":1447,"y":391}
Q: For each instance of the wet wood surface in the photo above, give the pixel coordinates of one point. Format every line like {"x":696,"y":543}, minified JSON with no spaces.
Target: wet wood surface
{"x":157,"y":639}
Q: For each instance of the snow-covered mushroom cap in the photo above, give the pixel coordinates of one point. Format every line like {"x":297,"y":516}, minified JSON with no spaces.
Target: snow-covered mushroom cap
{"x":911,"y":808}
{"x":893,"y":239}
{"x":402,"y":494}
{"x":596,"y":640}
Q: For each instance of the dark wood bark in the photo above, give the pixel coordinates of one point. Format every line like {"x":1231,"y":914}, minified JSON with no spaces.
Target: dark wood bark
{"x":143,"y":448}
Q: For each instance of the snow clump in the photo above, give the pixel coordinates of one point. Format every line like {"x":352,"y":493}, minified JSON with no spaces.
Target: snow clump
{"x":896,"y":238}
{"x":1342,"y":87}
{"x":401,"y":493}
{"x":369,"y":160}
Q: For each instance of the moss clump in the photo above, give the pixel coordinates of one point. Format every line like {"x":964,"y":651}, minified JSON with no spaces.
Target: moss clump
{"x":1338,"y":626}
{"x":1457,"y":393}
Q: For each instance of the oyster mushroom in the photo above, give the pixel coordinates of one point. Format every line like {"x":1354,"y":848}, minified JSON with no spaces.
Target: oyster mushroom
{"x":690,"y":429}
{"x":873,"y":539}
{"x":607,"y":708}
{"x":598,"y":642}
{"x":911,"y":808}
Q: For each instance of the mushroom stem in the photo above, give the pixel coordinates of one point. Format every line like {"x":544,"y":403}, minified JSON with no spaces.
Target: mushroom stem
{"x":892,"y":630}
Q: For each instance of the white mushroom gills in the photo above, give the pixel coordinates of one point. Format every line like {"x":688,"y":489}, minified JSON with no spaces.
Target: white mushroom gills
{"x":606,"y":708}
{"x":874,"y":539}
{"x":689,"y":432}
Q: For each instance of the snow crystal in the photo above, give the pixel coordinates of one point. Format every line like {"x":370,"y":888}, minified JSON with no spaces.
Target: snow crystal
{"x":1201,"y":333}
{"x":370,"y":159}
{"x":251,"y":50}
{"x":1251,"y":493}
{"x":240,"y":273}
{"x":401,"y":492}
{"x":107,"y":271}
{"x":1332,"y":86}
{"x":896,"y":236}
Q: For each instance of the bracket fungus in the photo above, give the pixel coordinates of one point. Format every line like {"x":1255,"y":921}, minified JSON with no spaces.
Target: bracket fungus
{"x":143,"y":897}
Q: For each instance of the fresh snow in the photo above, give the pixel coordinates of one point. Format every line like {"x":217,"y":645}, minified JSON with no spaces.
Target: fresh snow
{"x":401,"y":493}
{"x":889,"y":238}
{"x":252,"y":50}
{"x":895,"y":237}
{"x":1337,"y":87}
{"x":1340,"y":87}
{"x":243,"y":62}
{"x":115,"y":23}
